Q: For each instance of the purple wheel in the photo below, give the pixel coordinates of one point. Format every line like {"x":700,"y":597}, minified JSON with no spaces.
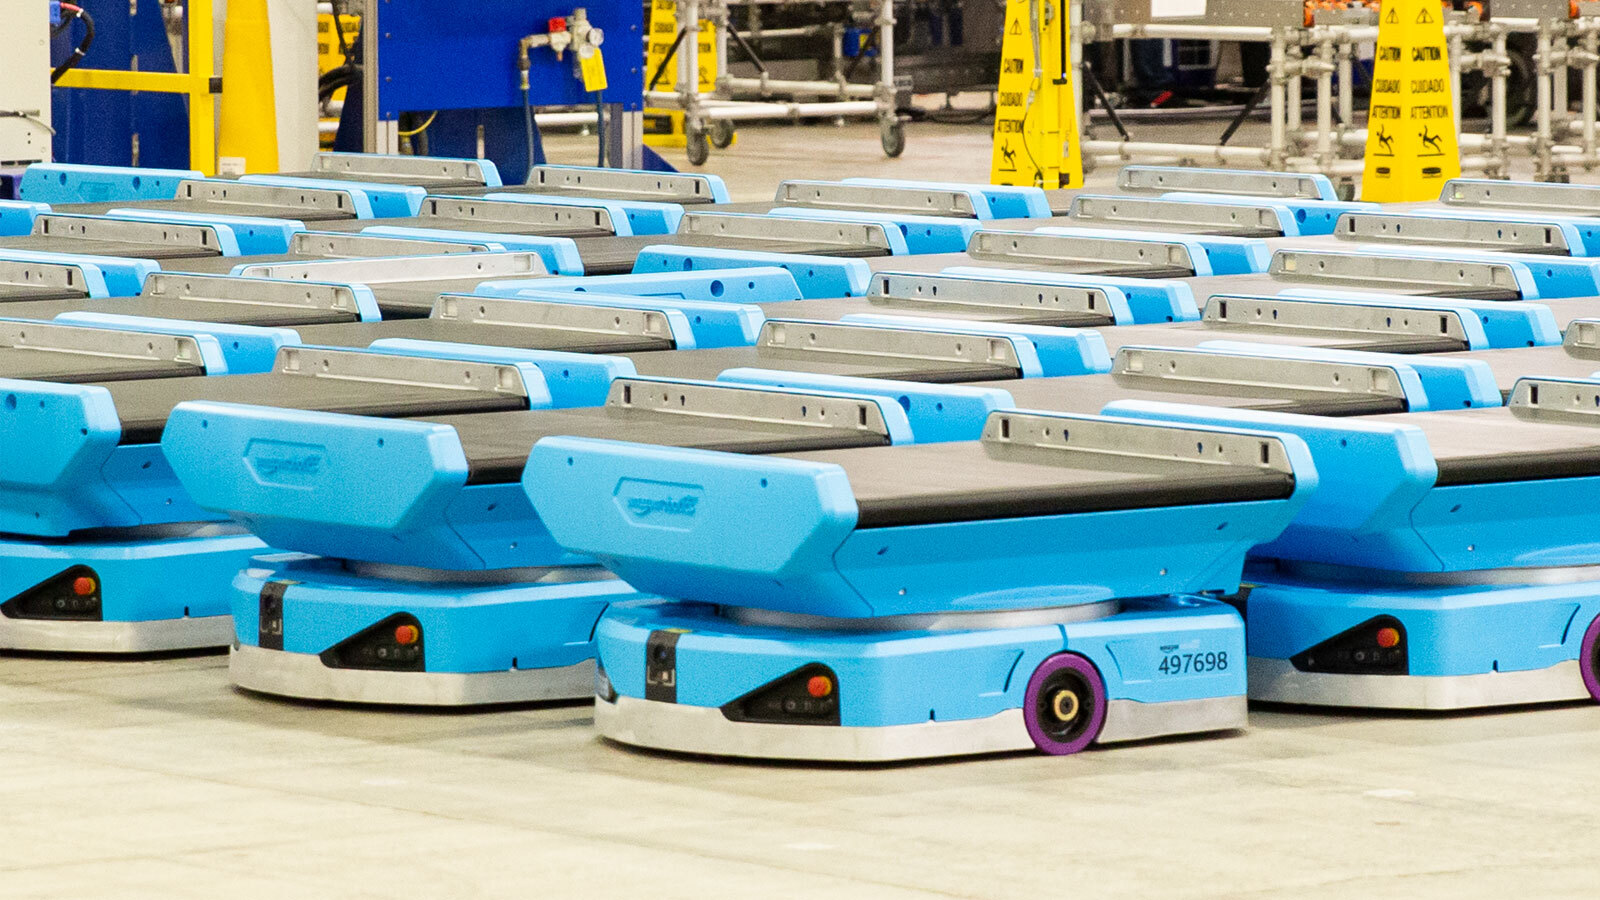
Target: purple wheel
{"x":1589,"y":659}
{"x":1065,"y":706}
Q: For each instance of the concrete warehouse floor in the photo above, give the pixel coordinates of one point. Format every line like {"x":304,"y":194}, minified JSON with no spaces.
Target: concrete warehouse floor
{"x":154,"y":779}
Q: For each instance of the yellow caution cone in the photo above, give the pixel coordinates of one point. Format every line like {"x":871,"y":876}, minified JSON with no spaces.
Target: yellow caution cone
{"x":1411,"y":122}
{"x":248,"y":136}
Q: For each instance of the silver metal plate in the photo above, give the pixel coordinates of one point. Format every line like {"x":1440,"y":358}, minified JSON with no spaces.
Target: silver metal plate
{"x":442,"y":374}
{"x":232,"y":289}
{"x":303,"y":675}
{"x":1576,"y":199}
{"x":1066,"y":435}
{"x":842,"y":234}
{"x":157,"y":636}
{"x":1168,"y":365}
{"x":875,"y":198}
{"x":1332,"y":318}
{"x":554,"y":316}
{"x":1556,"y":400}
{"x":1582,"y":337}
{"x":1368,"y":579}
{"x":1278,"y":681}
{"x":462,"y":213}
{"x":418,"y":169}
{"x":1033,"y":248}
{"x":1129,"y":720}
{"x":1158,"y":214}
{"x":1174,"y":179}
{"x":705,"y":400}
{"x":247,"y":193}
{"x":41,"y":275}
{"x":133,"y":231}
{"x":1485,"y":233}
{"x":1384,"y":272}
{"x":84,"y":340}
{"x":951,"y":290}
{"x":404,"y":269}
{"x":703,"y":729}
{"x":801,"y":338}
{"x":659,"y":187}
{"x":339,"y":245}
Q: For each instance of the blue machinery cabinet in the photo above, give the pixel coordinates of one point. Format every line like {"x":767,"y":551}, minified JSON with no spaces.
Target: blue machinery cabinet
{"x":460,"y":60}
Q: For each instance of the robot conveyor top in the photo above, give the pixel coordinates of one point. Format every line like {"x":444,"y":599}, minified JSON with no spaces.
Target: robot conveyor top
{"x":444,"y":472}
{"x":408,"y":287}
{"x":1464,"y":490}
{"x":82,"y":455}
{"x":1080,"y":509}
{"x":1245,"y":376}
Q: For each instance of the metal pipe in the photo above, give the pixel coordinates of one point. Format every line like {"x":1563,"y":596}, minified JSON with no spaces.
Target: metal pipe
{"x":1325,"y":152}
{"x":1278,"y":98}
{"x":765,"y":86}
{"x":1543,"y":136}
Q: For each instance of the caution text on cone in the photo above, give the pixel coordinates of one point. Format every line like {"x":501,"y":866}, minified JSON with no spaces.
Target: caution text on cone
{"x":1036,"y":120}
{"x":1411,"y":122}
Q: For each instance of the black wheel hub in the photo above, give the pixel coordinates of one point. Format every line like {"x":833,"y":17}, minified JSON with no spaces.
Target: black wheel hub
{"x":1064,"y":706}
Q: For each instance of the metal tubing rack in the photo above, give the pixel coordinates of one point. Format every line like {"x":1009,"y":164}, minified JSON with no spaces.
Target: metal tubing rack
{"x":742,"y":99}
{"x":1325,"y":50}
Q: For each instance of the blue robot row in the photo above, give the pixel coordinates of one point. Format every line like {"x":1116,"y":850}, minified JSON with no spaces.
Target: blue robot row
{"x":876,"y":471}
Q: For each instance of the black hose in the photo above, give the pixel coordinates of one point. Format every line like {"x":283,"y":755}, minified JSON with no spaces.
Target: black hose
{"x":80,"y":51}
{"x":600,"y":126}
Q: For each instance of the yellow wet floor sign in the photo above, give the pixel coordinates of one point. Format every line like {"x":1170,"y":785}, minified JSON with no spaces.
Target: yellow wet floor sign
{"x":1411,"y":122}
{"x":1036,"y":119}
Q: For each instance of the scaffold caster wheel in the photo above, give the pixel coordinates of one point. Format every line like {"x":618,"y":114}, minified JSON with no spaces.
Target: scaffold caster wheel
{"x":698,"y":144}
{"x":722,"y":134}
{"x":894,"y":138}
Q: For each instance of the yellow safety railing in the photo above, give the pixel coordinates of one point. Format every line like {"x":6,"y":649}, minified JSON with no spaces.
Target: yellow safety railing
{"x":195,"y":84}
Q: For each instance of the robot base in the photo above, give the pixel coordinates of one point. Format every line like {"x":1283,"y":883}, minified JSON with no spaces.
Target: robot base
{"x":321,"y":629}
{"x":303,"y":676}
{"x":691,"y":678}
{"x":1324,"y":636}
{"x":1278,"y":681}
{"x":128,"y":591}
{"x":706,"y":731}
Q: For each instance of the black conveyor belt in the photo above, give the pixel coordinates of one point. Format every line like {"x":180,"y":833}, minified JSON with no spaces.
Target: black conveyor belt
{"x":497,"y":445}
{"x":84,"y":368}
{"x":708,"y":364}
{"x":362,"y":334}
{"x":1479,"y":446}
{"x":14,"y":293}
{"x":1090,"y":394}
{"x":961,"y":482}
{"x":143,"y":406}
